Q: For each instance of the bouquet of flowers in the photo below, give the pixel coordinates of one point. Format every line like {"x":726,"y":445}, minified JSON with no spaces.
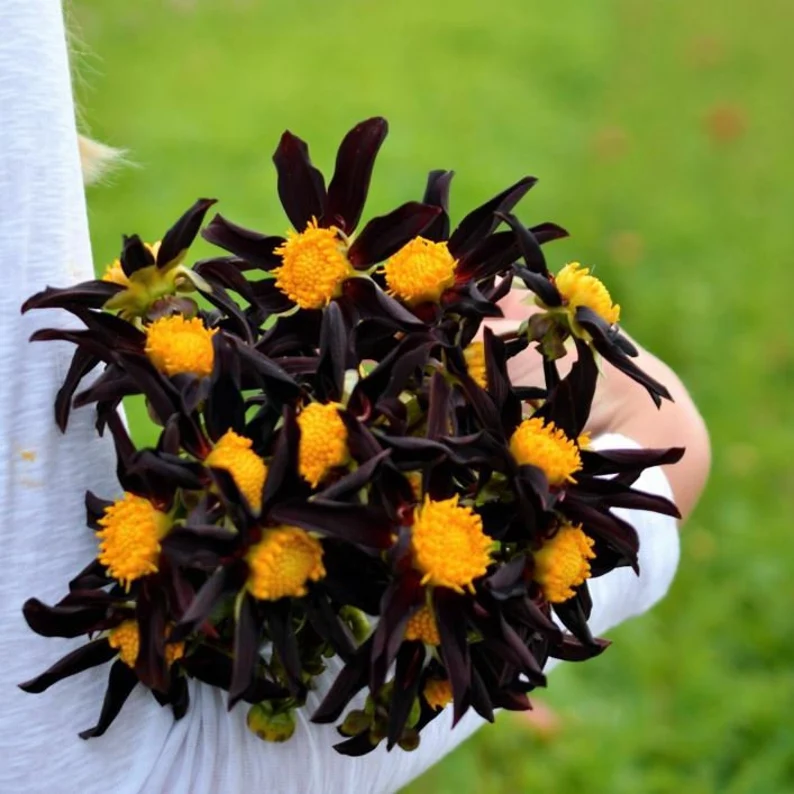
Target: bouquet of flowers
{"x":344,"y":467}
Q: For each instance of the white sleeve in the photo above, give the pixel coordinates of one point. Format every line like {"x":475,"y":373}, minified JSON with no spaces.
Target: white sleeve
{"x":43,"y":476}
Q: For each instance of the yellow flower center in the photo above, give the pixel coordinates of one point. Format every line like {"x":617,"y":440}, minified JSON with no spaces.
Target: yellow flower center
{"x":449,"y":545}
{"x":437,"y":692}
{"x":579,"y":288}
{"x":323,"y":442}
{"x":422,"y":626}
{"x":475,"y":363}
{"x":129,"y":546}
{"x":174,"y":650}
{"x":177,"y":346}
{"x":283,"y":562}
{"x":115,"y":275}
{"x":126,"y":638}
{"x":420,"y":271}
{"x":536,"y":443}
{"x":562,"y":563}
{"x":233,"y":453}
{"x":314,"y":265}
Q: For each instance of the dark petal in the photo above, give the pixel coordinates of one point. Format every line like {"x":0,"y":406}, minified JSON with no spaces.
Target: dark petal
{"x":354,"y":523}
{"x":246,"y":650}
{"x":110,"y":387}
{"x":438,"y":412}
{"x":351,"y":680}
{"x":540,"y":285}
{"x":573,"y":617}
{"x":615,"y":532}
{"x":82,"y":363}
{"x":547,"y":232}
{"x":621,"y":461}
{"x":390,"y":375}
{"x":480,"y":699}
{"x":333,"y":355}
{"x":508,"y":580}
{"x":301,"y":186}
{"x":121,"y":682}
{"x":225,"y":580}
{"x":276,"y":383}
{"x":569,"y":404}
{"x":224,"y":408}
{"x":296,"y":333}
{"x":492,"y":256}
{"x":150,"y":613}
{"x":356,"y":746}
{"x":199,"y":547}
{"x":227,"y":272}
{"x":269,"y":298}
{"x":501,"y":290}
{"x":92,"y":577}
{"x":454,"y":647}
{"x":467,"y":299}
{"x":387,"y":234}
{"x":134,"y":255}
{"x":282,"y":479}
{"x":569,"y":649}
{"x":528,"y":244}
{"x":255,"y":248}
{"x":95,"y":509}
{"x":350,"y":183}
{"x":285,"y":642}
{"x":413,"y":452}
{"x":355,"y":577}
{"x":329,"y":626}
{"x":89,"y":294}
{"x":402,"y":598}
{"x":236,"y":320}
{"x":437,"y":195}
{"x":348,"y":486}
{"x":604,"y":342}
{"x":85,"y":657}
{"x":407,"y":678}
{"x":616,"y":494}
{"x":525,"y":612}
{"x":63,"y":620}
{"x":498,"y":380}
{"x":517,"y":651}
{"x":180,"y":236}
{"x":479,"y":223}
{"x":179,"y":696}
{"x":370,"y":301}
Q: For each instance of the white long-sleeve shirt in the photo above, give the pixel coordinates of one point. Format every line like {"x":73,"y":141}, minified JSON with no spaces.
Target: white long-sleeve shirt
{"x":43,"y":537}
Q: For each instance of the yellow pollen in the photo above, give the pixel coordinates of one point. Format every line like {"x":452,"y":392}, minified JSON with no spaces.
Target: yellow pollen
{"x":437,"y":693}
{"x":584,"y":441}
{"x":415,"y":480}
{"x":422,"y":626}
{"x":579,"y":288}
{"x":177,"y":346}
{"x":126,"y":638}
{"x":129,"y":541}
{"x":420,"y":271}
{"x":323,"y":442}
{"x":115,"y":275}
{"x":562,"y":563}
{"x":233,"y":453}
{"x":283,"y":562}
{"x":449,"y":545}
{"x":475,"y":363}
{"x":314,"y":266}
{"x":536,"y":443}
{"x":173,"y":651}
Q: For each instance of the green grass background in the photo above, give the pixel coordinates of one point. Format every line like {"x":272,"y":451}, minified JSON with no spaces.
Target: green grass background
{"x":661,"y":133}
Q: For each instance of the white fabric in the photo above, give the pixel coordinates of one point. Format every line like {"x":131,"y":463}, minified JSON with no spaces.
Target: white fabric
{"x":43,"y":475}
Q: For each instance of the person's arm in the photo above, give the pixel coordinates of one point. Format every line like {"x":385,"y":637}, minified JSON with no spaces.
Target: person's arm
{"x":622,"y":406}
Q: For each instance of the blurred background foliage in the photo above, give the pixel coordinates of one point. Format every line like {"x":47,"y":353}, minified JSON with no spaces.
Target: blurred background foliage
{"x":661,"y":134}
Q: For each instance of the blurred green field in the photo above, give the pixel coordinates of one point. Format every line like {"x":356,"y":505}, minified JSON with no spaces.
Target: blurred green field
{"x":661,"y":132}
